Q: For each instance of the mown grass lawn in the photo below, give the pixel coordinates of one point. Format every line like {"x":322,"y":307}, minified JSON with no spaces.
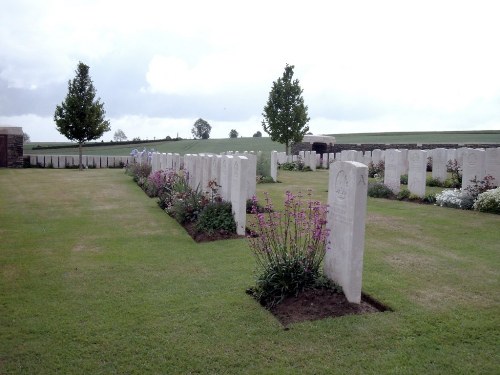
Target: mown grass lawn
{"x":96,"y":279}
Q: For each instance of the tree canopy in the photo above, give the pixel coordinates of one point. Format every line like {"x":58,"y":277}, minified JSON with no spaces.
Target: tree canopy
{"x":201,"y":129}
{"x":257,"y":134}
{"x":119,"y":136}
{"x":80,"y":117}
{"x":233,"y":133}
{"x":285,"y":115}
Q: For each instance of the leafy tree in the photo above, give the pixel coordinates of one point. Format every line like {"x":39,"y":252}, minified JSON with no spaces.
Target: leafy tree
{"x":119,"y":136}
{"x":26,"y":137}
{"x":81,"y":118}
{"x":257,"y":134}
{"x":233,"y":133}
{"x":285,"y":115}
{"x":201,"y":129}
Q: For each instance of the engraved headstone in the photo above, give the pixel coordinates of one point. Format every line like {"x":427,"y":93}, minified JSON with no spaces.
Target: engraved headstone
{"x":274,"y":165}
{"x":392,"y":173}
{"x":473,"y":167}
{"x":492,"y":164}
{"x":439,"y":160}
{"x":417,"y":167}
{"x":238,"y":192}
{"x":347,"y":197}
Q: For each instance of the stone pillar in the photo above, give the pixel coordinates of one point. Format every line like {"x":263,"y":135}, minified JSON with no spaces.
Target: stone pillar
{"x":439,"y":170}
{"x":238,"y":192}
{"x":274,"y":165}
{"x":474,"y":166}
{"x":417,"y":163}
{"x":347,"y":196}
{"x":392,"y":173}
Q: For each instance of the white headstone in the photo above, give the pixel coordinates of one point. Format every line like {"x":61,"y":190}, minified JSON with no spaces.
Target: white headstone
{"x":404,"y":160}
{"x":238,"y":192}
{"x":274,"y":165}
{"x":473,"y":167}
{"x":417,"y":162}
{"x":251,"y":175}
{"x":392,"y":172}
{"x":439,"y":160}
{"x":163,"y":161}
{"x":226,"y":177}
{"x":312,"y":160}
{"x":492,"y":164}
{"x":347,"y":196}
{"x":376,"y":156}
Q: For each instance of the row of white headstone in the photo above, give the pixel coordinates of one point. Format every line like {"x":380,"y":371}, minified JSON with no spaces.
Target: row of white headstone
{"x":476,"y":163}
{"x":234,"y":174}
{"x":68,"y":161}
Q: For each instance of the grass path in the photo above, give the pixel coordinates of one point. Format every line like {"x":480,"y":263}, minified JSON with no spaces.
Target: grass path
{"x":95,"y":279}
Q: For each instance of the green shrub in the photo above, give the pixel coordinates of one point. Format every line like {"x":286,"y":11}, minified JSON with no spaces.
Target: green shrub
{"x":403,"y":194}
{"x":489,"y":201}
{"x":379,"y":190}
{"x":265,"y":180}
{"x":404,"y":179}
{"x":434,"y":182}
{"x":429,"y":198}
{"x":216,"y":217}
{"x":289,"y":166}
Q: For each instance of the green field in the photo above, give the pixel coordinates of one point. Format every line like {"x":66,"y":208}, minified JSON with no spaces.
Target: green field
{"x":266,"y":145}
{"x":96,"y":279}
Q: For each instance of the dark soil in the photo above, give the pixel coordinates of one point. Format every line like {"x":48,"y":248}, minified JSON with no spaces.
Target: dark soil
{"x":317,"y":304}
{"x":205,"y":237}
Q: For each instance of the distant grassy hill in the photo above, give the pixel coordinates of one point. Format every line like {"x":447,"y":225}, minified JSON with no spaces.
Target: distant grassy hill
{"x":265,"y":144}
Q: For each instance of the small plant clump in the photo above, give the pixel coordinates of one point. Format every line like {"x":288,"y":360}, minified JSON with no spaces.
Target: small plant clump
{"x":454,"y":198}
{"x":376,"y":170}
{"x":289,"y":247}
{"x":489,"y":201}
{"x":379,"y":190}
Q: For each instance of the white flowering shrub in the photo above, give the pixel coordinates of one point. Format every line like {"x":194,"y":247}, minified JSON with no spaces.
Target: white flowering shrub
{"x":489,"y":201}
{"x":454,"y":198}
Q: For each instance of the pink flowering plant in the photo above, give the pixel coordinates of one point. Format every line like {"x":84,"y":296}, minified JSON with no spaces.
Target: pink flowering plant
{"x":289,"y":247}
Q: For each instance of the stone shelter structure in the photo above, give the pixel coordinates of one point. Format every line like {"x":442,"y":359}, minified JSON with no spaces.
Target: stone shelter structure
{"x":11,"y":147}
{"x":321,"y":144}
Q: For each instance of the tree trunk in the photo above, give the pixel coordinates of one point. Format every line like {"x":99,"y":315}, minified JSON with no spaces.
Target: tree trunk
{"x":80,"y":152}
{"x":286,"y":148}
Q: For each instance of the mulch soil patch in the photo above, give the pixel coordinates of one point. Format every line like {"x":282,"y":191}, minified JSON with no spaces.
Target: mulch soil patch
{"x":314,"y":304}
{"x":205,"y":237}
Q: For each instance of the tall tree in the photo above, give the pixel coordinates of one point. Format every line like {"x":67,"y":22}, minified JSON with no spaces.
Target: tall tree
{"x":26,"y":137}
{"x":80,"y":117}
{"x":233,"y":133}
{"x":201,"y":129}
{"x":119,"y":136}
{"x":285,"y":115}
{"x":257,"y":134}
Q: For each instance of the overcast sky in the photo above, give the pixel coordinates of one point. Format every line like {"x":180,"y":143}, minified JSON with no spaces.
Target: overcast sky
{"x":365,"y":66}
